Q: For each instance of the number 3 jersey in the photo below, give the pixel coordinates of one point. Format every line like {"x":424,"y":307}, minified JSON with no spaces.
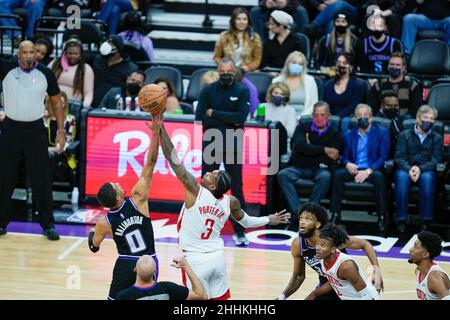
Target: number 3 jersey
{"x":132,"y":231}
{"x":199,"y":227}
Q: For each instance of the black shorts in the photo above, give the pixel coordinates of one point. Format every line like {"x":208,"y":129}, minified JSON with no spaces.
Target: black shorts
{"x":124,"y":275}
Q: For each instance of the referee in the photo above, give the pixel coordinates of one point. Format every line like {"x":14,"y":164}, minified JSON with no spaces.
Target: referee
{"x":26,"y":83}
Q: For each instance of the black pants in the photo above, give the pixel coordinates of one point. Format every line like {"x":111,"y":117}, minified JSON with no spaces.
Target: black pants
{"x":341,"y":176}
{"x":235,"y":171}
{"x":30,"y":140}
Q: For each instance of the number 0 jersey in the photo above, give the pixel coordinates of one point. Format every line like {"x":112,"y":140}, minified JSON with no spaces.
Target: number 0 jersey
{"x":199,"y":227}
{"x":132,"y":231}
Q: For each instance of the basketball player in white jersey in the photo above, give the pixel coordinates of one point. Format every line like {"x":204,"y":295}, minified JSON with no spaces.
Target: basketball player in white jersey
{"x":205,"y":210}
{"x":344,"y":275}
{"x":433,"y":283}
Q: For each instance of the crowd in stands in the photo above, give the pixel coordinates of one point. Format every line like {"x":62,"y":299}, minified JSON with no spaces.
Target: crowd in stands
{"x":347,"y":37}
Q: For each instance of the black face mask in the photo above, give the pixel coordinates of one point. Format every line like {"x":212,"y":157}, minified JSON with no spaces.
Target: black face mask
{"x":340,"y":29}
{"x":133,"y":88}
{"x":426,"y":126}
{"x":390,"y":113}
{"x":226,"y":79}
{"x":341,"y":70}
{"x":394,"y":72}
{"x":377,"y":34}
{"x":363,"y":123}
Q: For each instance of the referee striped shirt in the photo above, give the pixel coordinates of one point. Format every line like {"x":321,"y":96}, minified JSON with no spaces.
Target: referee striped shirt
{"x":24,"y":91}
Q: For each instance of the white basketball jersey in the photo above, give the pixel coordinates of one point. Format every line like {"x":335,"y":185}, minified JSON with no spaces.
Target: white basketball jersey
{"x":344,"y":288}
{"x":199,"y":227}
{"x":423,"y":292}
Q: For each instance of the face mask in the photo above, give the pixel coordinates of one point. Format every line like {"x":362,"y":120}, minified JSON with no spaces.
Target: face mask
{"x":320,"y":122}
{"x":226,"y":79}
{"x":107,"y":49}
{"x":426,"y":125}
{"x":394,"y":72}
{"x":277,"y":100}
{"x":295,"y":69}
{"x":377,"y":34}
{"x":390,"y":113}
{"x":363,"y":123}
{"x":340,"y":29}
{"x":133,"y":88}
{"x":341,"y":70}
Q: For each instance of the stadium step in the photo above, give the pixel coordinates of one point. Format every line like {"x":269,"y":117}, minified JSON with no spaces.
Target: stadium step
{"x":183,"y":40}
{"x":161,"y":20}
{"x":223,"y":7}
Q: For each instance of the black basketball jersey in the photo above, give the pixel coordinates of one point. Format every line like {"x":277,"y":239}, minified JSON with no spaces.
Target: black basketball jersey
{"x":132,"y":231}
{"x":377,"y":55}
{"x":308,"y":254}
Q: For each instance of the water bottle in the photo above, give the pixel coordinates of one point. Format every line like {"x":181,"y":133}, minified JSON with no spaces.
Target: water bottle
{"x":119,"y":102}
{"x":179,"y":111}
{"x":75,"y":195}
{"x":128,"y":103}
{"x":261,"y":112}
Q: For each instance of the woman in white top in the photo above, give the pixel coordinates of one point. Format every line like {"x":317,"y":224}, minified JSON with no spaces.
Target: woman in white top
{"x":303,"y":87}
{"x":277,"y":108}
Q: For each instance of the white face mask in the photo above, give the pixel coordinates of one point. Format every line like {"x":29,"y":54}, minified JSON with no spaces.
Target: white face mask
{"x":105,"y":48}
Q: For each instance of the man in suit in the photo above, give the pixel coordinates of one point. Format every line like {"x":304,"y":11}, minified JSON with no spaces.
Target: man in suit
{"x":365,"y":150}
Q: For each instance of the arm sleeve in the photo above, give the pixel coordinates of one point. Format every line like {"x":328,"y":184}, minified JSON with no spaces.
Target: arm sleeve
{"x":347,"y":154}
{"x":383,"y":153}
{"x":148,"y":47}
{"x":302,"y":147}
{"x":218,"y":49}
{"x":401,"y":154}
{"x":88,"y":88}
{"x":256,"y":53}
{"x":436,"y":155}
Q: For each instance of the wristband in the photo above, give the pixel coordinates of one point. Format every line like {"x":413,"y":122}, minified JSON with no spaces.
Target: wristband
{"x":93,"y":248}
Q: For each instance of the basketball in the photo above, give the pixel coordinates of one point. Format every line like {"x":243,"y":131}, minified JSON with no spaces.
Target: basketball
{"x":152,"y":99}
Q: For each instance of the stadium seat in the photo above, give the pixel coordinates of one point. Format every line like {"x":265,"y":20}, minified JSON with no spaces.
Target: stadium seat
{"x":439,"y":98}
{"x":194,"y":87}
{"x":320,"y":87}
{"x":430,"y":34}
{"x":261,"y":81}
{"x":171,"y":73}
{"x":305,"y":46}
{"x":430,"y":58}
{"x":186,"y":107}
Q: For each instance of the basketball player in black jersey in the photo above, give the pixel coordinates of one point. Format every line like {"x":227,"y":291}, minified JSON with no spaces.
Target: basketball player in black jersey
{"x":312,"y":217}
{"x":128,"y":221}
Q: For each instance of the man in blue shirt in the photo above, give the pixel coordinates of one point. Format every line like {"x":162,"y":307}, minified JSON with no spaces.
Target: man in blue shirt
{"x":366,"y":148}
{"x":418,"y":152}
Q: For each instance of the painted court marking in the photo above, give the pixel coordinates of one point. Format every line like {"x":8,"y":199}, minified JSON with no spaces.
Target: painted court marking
{"x":66,"y":252}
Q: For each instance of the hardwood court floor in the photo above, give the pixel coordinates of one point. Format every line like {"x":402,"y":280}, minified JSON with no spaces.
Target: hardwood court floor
{"x":31,"y":267}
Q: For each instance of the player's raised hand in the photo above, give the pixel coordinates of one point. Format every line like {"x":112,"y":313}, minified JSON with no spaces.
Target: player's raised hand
{"x":157,"y":121}
{"x":180,"y":262}
{"x":279,"y":217}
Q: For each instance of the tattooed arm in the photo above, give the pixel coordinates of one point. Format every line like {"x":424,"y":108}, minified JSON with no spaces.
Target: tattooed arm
{"x":191,"y":186}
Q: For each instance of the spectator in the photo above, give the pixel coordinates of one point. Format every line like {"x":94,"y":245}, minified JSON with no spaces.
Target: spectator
{"x":135,"y":33}
{"x":34,"y":12}
{"x":75,"y":76}
{"x":172,"y":103}
{"x":366,"y":148}
{"x":223,"y":105}
{"x":303,"y":87}
{"x":254,"y":96}
{"x":392,"y":11}
{"x":408,"y":90}
{"x":339,"y":40}
{"x":111,"y":67}
{"x":240,"y":42}
{"x":207,"y":78}
{"x":375,"y":50}
{"x":260,"y":15}
{"x":65,"y":159}
{"x":43,"y":47}
{"x":390,"y":110}
{"x":111,"y":10}
{"x":418,"y":152}
{"x":283,"y":43}
{"x":125,"y":97}
{"x":328,"y":9}
{"x":25,"y":85}
{"x":278,"y":109}
{"x":430,"y":14}
{"x":146,"y":287}
{"x":315,"y":155}
{"x":344,"y":92}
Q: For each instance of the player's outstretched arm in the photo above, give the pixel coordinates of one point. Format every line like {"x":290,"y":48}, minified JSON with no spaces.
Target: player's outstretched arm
{"x":96,"y":236}
{"x":355,"y":243}
{"x":349,"y":271}
{"x":198,"y":291}
{"x":253,"y":222}
{"x":186,"y":178}
{"x":298,"y":273}
{"x":142,"y":187}
{"x":439,"y":284}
